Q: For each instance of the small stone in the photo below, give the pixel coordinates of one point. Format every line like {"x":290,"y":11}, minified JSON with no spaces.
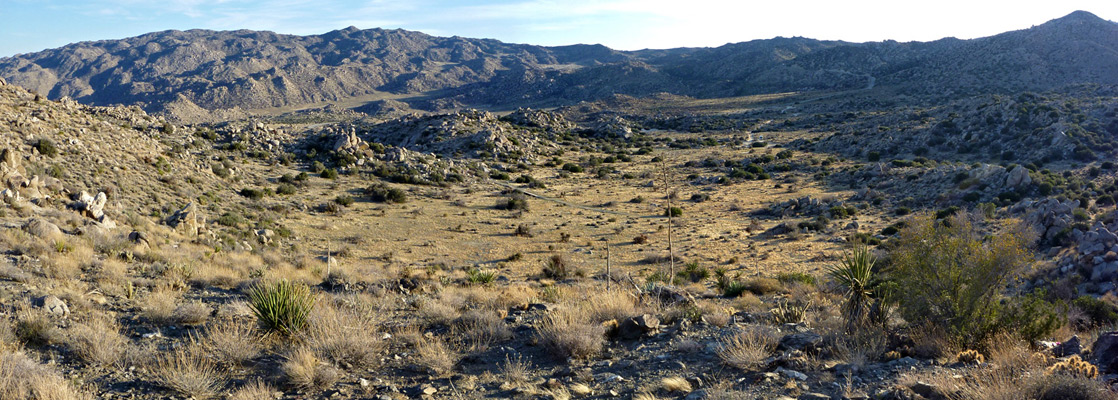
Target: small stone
{"x":1071,"y":347}
{"x":54,"y":305}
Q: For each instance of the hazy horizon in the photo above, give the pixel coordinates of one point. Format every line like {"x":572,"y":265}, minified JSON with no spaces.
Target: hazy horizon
{"x":29,"y":25}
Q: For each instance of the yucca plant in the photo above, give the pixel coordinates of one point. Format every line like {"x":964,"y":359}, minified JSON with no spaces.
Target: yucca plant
{"x":281,"y":306}
{"x":856,"y":277}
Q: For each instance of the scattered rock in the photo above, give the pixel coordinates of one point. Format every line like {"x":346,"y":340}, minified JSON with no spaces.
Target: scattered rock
{"x":1104,"y":353}
{"x":635,"y":327}
{"x":929,"y":391}
{"x":1071,"y":347}
{"x":803,"y":341}
{"x":42,"y":229}
{"x":53,"y":305}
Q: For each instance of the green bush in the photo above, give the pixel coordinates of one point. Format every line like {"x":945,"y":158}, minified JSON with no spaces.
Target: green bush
{"x":1100,"y":312}
{"x":952,"y":275}
{"x":381,"y":192}
{"x":789,"y":277}
{"x":344,"y":200}
{"x":673,"y":212}
{"x":329,"y":173}
{"x":255,"y":194}
{"x":281,"y":307}
{"x":286,"y":189}
{"x":46,"y":147}
{"x":515,"y":202}
{"x":231,"y":219}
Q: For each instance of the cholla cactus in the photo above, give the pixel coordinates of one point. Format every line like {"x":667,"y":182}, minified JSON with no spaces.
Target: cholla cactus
{"x":1075,"y":366}
{"x":891,"y":355}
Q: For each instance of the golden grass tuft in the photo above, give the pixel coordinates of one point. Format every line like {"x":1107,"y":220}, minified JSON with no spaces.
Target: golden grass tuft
{"x":481,"y":329}
{"x":23,"y":378}
{"x":187,"y":371}
{"x":232,"y":341}
{"x":747,"y":348}
{"x":303,"y":370}
{"x":255,"y":390}
{"x":345,"y":335}
{"x":97,"y":341}
{"x":434,"y":356}
{"x":569,"y":332}
{"x":675,"y":384}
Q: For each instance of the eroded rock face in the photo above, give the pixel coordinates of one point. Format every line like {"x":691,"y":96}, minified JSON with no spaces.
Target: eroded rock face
{"x":1104,"y":353}
{"x":189,"y":220}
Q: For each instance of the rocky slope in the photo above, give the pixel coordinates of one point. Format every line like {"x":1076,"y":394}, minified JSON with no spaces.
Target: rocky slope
{"x":179,"y":72}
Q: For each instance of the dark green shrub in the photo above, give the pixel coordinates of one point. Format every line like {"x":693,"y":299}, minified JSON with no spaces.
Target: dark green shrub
{"x":556,"y":267}
{"x":1100,"y":312}
{"x":317,"y":167}
{"x":480,"y":277}
{"x":255,"y":194}
{"x":873,"y":156}
{"x":46,"y":147}
{"x":572,"y":167}
{"x":515,"y":202}
{"x":381,"y":192}
{"x":286,"y":189}
{"x":789,"y":277}
{"x":344,"y":200}
{"x":693,"y":272}
{"x":329,"y":173}
{"x":231,"y":219}
{"x":673,"y":212}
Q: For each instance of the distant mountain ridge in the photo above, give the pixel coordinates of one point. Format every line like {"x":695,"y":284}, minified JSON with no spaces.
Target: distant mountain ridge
{"x":210,"y":70}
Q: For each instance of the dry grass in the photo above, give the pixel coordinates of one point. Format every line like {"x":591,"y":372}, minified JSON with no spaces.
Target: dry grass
{"x":481,"y":328}
{"x":159,"y":305}
{"x":23,"y":378}
{"x":97,"y":341}
{"x":434,"y":356}
{"x":603,"y":306}
{"x":190,"y":373}
{"x":346,"y":336}
{"x":255,"y":390}
{"x":35,"y":329}
{"x":747,"y":348}
{"x":303,"y":370}
{"x":192,"y":313}
{"x":569,"y":332}
{"x":675,"y":384}
{"x":232,"y":341}
{"x":516,"y":370}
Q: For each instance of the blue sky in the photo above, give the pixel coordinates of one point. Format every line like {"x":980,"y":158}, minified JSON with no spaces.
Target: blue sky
{"x":32,"y":25}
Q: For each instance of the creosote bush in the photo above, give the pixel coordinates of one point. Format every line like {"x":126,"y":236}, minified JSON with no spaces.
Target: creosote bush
{"x":282,"y":306}
{"x":952,"y":275}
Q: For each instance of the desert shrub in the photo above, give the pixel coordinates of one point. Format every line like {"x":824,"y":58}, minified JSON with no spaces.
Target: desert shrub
{"x":46,"y":147}
{"x":673,"y":212}
{"x":952,"y":276}
{"x":1030,"y":317}
{"x":281,"y":307}
{"x":286,"y":189}
{"x":572,"y":167}
{"x":346,"y":336}
{"x":381,"y":192}
{"x":254,"y":390}
{"x":800,"y":277}
{"x":556,"y":267}
{"x":1100,"y":312}
{"x":35,"y":329}
{"x":523,"y":230}
{"x":231,"y":219}
{"x":481,"y":328}
{"x":344,"y":200}
{"x":515,"y":202}
{"x":762,"y":286}
{"x":329,"y":173}
{"x":434,"y":356}
{"x":255,"y":194}
{"x":640,"y":239}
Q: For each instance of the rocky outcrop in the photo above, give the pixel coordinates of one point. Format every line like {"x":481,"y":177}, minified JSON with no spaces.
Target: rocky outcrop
{"x":188,"y":220}
{"x":43,"y":229}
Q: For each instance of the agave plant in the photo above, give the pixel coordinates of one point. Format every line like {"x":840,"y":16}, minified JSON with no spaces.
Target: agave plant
{"x":856,"y":277}
{"x":281,"y":306}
